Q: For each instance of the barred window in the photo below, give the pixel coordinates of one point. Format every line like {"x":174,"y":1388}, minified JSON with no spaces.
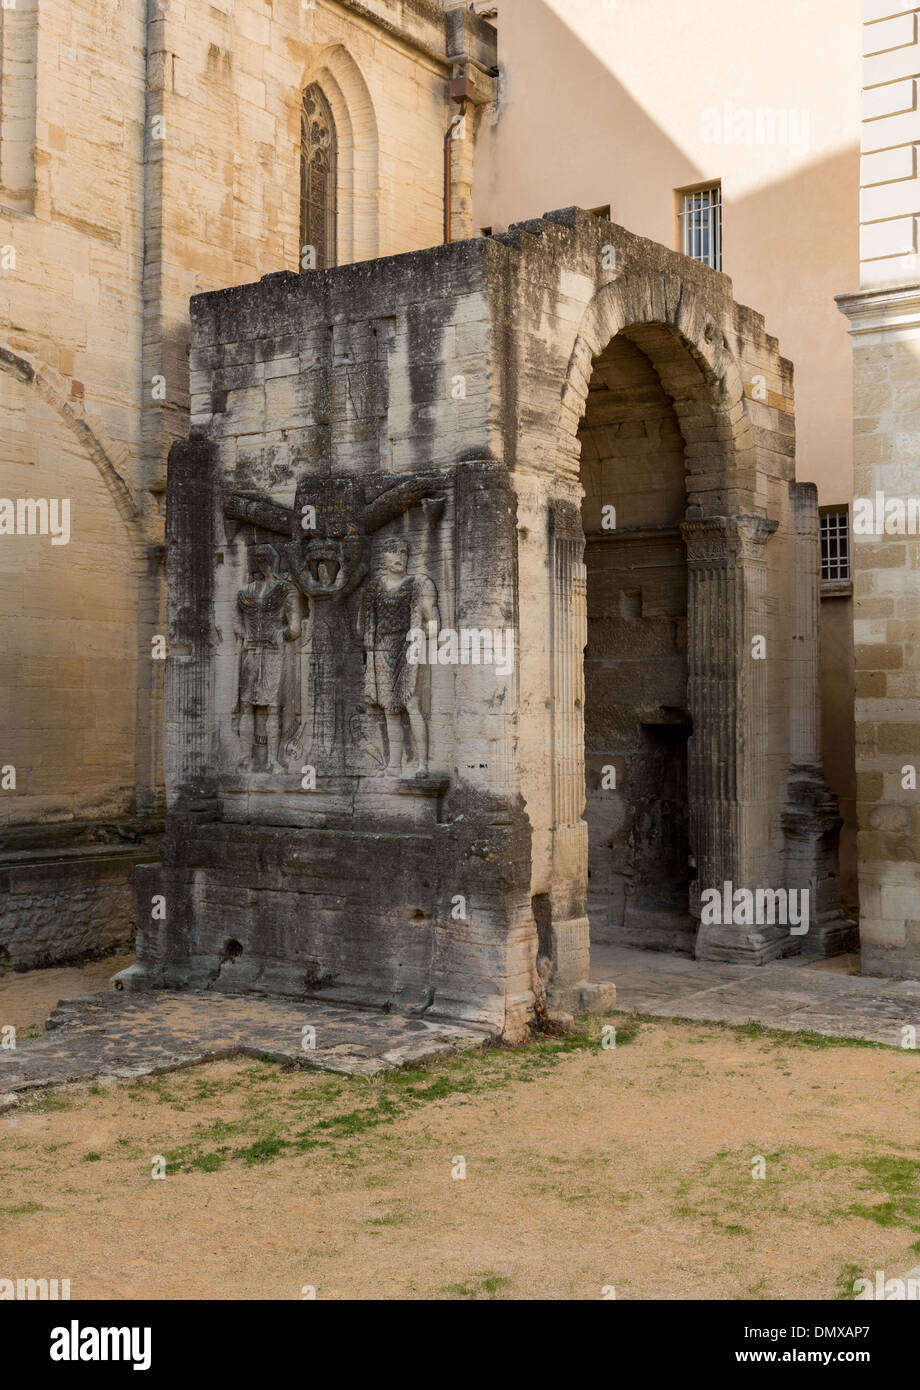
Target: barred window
{"x":835,"y":546}
{"x":701,"y":225}
{"x":318,"y":159}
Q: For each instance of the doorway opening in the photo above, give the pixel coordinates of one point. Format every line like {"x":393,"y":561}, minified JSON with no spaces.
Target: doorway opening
{"x":637,"y":720}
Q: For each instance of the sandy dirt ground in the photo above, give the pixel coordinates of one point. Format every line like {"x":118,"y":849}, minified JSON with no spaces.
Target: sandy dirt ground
{"x":586,"y":1167}
{"x":27,"y":999}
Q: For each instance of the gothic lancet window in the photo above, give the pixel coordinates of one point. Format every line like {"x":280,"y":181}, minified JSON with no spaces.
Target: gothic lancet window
{"x":317,"y":181}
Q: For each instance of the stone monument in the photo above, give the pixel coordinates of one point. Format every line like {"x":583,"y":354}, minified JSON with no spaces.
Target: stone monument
{"x":379,"y":593}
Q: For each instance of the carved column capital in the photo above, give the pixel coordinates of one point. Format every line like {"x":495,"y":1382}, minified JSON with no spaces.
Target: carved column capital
{"x":713,"y":540}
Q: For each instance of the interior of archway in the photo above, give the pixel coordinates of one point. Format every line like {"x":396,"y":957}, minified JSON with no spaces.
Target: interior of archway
{"x":637,"y":723}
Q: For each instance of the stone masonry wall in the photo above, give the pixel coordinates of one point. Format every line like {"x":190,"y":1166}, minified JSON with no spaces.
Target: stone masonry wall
{"x":884,"y":318}
{"x":70,"y":335}
{"x":887,"y":634}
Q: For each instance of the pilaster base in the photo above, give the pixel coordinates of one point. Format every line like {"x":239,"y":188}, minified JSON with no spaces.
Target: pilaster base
{"x":585,"y":997}
{"x":811,"y":823}
{"x":745,"y":945}
{"x":832,"y":935}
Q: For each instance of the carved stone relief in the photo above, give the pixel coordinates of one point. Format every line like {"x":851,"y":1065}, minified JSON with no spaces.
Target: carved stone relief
{"x":326,"y":652}
{"x":396,"y":605}
{"x":268,"y":624}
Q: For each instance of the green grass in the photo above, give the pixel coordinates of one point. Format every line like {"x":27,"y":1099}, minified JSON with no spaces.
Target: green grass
{"x":44,"y":1101}
{"x":896,"y":1179}
{"x":23,"y":1209}
{"x":803,"y":1037}
{"x":331,"y":1112}
{"x":204,"y":1163}
{"x":262,"y":1151}
{"x":281,"y":1116}
{"x":400,"y":1214}
{"x":843,"y":1289}
{"x":723,"y":1192}
{"x":796,"y":1174}
{"x":482,"y":1286}
{"x":774,"y":1037}
{"x":272,"y":1122}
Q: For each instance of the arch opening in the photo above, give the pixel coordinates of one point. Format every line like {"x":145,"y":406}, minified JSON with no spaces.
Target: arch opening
{"x":637,"y":717}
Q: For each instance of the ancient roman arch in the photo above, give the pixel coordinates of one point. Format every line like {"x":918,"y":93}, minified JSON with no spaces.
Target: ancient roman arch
{"x":423,"y":455}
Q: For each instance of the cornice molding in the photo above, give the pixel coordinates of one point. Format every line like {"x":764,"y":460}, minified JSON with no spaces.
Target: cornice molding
{"x":882,"y":314}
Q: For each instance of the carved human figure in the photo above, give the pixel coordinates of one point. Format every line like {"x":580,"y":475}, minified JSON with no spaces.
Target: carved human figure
{"x":396,"y":604}
{"x":268,"y":619}
{"x":327,"y":570}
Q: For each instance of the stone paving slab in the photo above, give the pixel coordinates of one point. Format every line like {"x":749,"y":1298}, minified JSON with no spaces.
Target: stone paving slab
{"x":791,"y":995}
{"x":126,"y":1035}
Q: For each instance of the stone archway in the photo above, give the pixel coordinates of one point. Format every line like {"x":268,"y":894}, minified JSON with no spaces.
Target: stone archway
{"x":72,"y":672}
{"x":457,"y":886}
{"x":754,"y":774}
{"x":637,"y":719}
{"x":110,"y":459}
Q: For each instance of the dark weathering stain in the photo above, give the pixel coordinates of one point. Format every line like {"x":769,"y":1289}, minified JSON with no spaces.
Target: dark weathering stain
{"x":503,"y":290}
{"x":192,"y":490}
{"x":426,"y":375}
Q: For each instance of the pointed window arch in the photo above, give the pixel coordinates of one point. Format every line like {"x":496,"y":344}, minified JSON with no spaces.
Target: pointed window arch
{"x":318,"y":176}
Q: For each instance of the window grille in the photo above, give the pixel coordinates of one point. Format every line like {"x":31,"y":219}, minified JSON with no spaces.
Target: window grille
{"x":835,"y":547}
{"x":701,"y":226}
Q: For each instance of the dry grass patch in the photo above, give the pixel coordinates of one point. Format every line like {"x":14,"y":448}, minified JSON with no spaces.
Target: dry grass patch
{"x":585,"y":1166}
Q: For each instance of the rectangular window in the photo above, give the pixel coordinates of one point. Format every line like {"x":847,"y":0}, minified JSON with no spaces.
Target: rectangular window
{"x":701,"y":225}
{"x":835,"y":547}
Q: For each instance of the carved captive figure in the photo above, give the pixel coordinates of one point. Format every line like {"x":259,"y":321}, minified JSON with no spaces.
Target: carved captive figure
{"x":268,"y":619}
{"x":396,"y":604}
